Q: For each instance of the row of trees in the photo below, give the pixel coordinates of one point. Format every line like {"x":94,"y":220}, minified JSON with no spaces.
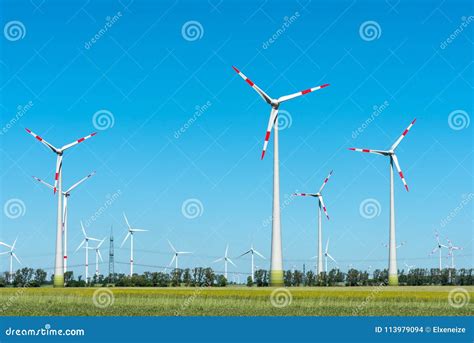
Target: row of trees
{"x":201,"y":277}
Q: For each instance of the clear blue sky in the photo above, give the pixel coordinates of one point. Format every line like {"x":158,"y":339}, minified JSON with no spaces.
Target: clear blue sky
{"x":144,"y":71}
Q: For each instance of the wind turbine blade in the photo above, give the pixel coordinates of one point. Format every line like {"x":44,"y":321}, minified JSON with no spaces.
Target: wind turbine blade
{"x":5,"y":245}
{"x":260,"y":92}
{"x":394,"y":146}
{"x":83,"y":229}
{"x":184,"y":252}
{"x":80,"y":245}
{"x":245,"y":253}
{"x":306,"y":91}
{"x":397,"y":165}
{"x":172,"y":260}
{"x":43,"y":182}
{"x":80,"y":140}
{"x":327,"y":246}
{"x":332,"y":258}
{"x":80,"y":181}
{"x":257,"y":253}
{"x":13,"y":245}
{"x":370,"y":151}
{"x":171,"y":245}
{"x":100,"y":255}
{"x":101,"y":242}
{"x":226,"y":250}
{"x":138,"y":230}
{"x":218,"y":260}
{"x":434,"y":250}
{"x":54,"y":149}
{"x":323,"y":206}
{"x":271,"y":122}
{"x":16,"y":258}
{"x":305,"y":194}
{"x":59,"y":165}
{"x":325,"y":181}
{"x":125,"y":239}
{"x":126,"y":221}
{"x":228,"y":259}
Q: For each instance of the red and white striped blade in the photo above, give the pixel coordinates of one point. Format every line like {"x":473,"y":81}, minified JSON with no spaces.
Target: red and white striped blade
{"x":304,"y":194}
{"x":271,"y":123}
{"x":59,"y":165}
{"x":400,"y":173}
{"x":370,"y":151}
{"x":54,"y":149}
{"x":80,"y":140}
{"x":306,"y":91}
{"x":325,"y":181}
{"x":254,"y":86}
{"x":394,"y":146}
{"x":43,"y":182}
{"x":323,"y":206}
{"x":79,"y":182}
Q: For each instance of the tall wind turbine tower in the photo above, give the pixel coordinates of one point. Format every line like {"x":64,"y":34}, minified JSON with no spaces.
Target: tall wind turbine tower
{"x":111,"y":256}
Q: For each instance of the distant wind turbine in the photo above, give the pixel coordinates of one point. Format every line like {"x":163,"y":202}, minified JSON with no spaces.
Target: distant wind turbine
{"x":130,"y":234}
{"x":252,"y":251}
{"x":438,"y":248}
{"x":176,"y":255}
{"x":226,"y":259}
{"x":85,"y":243}
{"x":327,"y":255}
{"x":12,"y":254}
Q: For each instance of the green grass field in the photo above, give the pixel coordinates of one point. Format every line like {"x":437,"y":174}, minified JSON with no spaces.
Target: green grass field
{"x":236,"y":301}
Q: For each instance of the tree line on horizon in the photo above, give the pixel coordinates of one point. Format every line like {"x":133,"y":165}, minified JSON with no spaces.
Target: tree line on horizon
{"x":207,"y":277}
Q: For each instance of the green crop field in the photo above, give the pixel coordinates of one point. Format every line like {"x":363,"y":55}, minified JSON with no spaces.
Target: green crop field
{"x":238,"y":301}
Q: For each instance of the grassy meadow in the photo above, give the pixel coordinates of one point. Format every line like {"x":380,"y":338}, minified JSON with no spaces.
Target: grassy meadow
{"x":235,"y":301}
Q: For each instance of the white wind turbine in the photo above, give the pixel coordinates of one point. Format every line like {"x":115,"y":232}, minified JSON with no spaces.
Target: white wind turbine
{"x":98,"y":256}
{"x":85,"y":243}
{"x":327,"y":255}
{"x":66,"y":196}
{"x":12,"y":254}
{"x":276,"y":273}
{"x":409,"y":267}
{"x":252,"y":251}
{"x":176,"y":255}
{"x":438,"y":248}
{"x":321,"y":205}
{"x":451,"y":249}
{"x":226,"y":259}
{"x":130,"y":234}
{"x":59,"y":256}
{"x":392,"y":268}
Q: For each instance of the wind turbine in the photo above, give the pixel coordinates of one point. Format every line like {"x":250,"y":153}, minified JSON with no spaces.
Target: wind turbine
{"x":321,"y":205}
{"x":66,"y":196}
{"x":176,"y":255}
{"x":398,"y":245}
{"x":226,"y":259}
{"x":438,"y":248}
{"x":276,"y":273}
{"x":327,"y":255}
{"x":130,"y":234}
{"x":59,"y":258}
{"x":252,"y":251}
{"x":392,"y":267}
{"x":12,"y":254}
{"x":86,"y":242}
{"x":408,"y":267}
{"x":452,"y":248}
{"x":98,"y":256}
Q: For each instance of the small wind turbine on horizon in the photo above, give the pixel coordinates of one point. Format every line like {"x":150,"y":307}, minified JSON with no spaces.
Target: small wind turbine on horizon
{"x":276,"y":269}
{"x":409,"y":267}
{"x":66,"y":196}
{"x":98,"y":255}
{"x":451,"y":249}
{"x":59,"y":256}
{"x":85,"y":243}
{"x":176,"y":255}
{"x":322,"y":206}
{"x":438,"y":248}
{"x":327,"y":255}
{"x":392,"y":268}
{"x":226,"y":259}
{"x":130,"y":233}
{"x":252,"y":251}
{"x":12,"y":254}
